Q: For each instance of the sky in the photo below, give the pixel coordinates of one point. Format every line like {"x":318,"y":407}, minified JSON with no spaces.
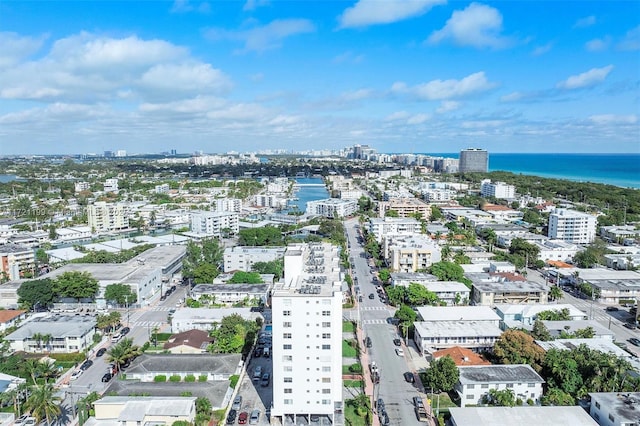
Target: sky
{"x":411,"y":76}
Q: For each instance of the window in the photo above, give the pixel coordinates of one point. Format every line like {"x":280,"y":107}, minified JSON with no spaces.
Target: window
{"x":286,"y":313}
{"x":286,"y":358}
{"x":326,"y":335}
{"x":471,"y":386}
{"x":326,"y":391}
{"x":325,"y":347}
{"x":613,"y":419}
{"x":484,"y":386}
{"x":286,"y":335}
{"x":326,"y":301}
{"x":286,"y":324}
{"x":288,"y":390}
{"x":288,"y":368}
{"x":288,"y":379}
{"x":326,"y":369}
{"x":286,"y":346}
{"x":531,"y":385}
{"x":326,"y":313}
{"x":288,"y":402}
{"x":326,"y":380}
{"x":326,"y":324}
{"x":286,"y":302}
{"x":471,"y":397}
{"x":509,"y":385}
{"x":597,"y":405}
{"x":326,"y":401}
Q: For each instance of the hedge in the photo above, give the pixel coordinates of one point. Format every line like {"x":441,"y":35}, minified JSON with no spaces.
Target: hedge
{"x":160,"y":378}
{"x":203,"y":378}
{"x":74,"y":357}
{"x":233,"y":381}
{"x":175,"y":378}
{"x":190,"y":378}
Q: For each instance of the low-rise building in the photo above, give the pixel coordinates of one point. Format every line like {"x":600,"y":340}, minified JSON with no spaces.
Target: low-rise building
{"x":558,"y":329}
{"x":188,"y":342}
{"x":54,"y":333}
{"x":142,"y":410}
{"x":15,"y":260}
{"x":204,"y":318}
{"x":380,"y":227}
{"x":230,"y":294}
{"x":519,"y":416}
{"x":461,"y":313}
{"x":405,"y":207}
{"x":410,"y":253}
{"x":523,"y":316}
{"x":241,"y":258}
{"x":461,"y":356}
{"x":332,"y":207}
{"x":476,"y":381}
{"x":214,"y":224}
{"x":431,"y":336}
{"x":215,"y":367}
{"x":602,"y":345}
{"x":10,"y":318}
{"x":615,"y":408}
{"x":494,"y":290}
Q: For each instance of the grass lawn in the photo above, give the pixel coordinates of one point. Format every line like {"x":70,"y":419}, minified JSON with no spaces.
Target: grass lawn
{"x":445,"y":402}
{"x":349,"y":351}
{"x":353,"y":384}
{"x":347,"y":326}
{"x":351,"y":418}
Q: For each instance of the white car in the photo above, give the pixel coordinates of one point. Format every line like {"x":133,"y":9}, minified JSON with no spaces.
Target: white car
{"x":76,"y":374}
{"x":399,"y":351}
{"x":25,"y":420}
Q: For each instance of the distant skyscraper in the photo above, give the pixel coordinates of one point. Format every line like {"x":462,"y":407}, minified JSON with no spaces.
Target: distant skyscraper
{"x":474,"y":160}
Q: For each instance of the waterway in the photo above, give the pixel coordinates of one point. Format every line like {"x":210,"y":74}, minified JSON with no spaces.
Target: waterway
{"x":308,"y":193}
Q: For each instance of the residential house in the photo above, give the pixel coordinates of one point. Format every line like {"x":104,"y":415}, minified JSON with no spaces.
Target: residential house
{"x":54,"y":333}
{"x":142,"y":410}
{"x":461,"y":356}
{"x":204,"y":318}
{"x":475,"y":382}
{"x":573,"y":415}
{"x":615,"y":408}
{"x":230,"y":294}
{"x":11,"y":318}
{"x":523,"y":316}
{"x":188,"y":342}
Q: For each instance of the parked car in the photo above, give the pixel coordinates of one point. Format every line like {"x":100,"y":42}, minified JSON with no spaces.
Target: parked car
{"x":76,"y":374}
{"x":634,"y":341}
{"x":397,"y":342}
{"x":409,"y":377}
{"x":399,"y":352}
{"x":106,"y":378}
{"x":124,"y":331}
{"x":237,"y":403}
{"x":372,"y":296}
{"x":242,"y":418}
{"x":257,"y":373}
{"x":231,"y":417}
{"x":101,"y":352}
{"x":255,"y":417}
{"x":630,"y":325}
{"x":85,"y":365}
{"x":367,"y":341}
{"x":611,"y":309}
{"x":264,"y":382}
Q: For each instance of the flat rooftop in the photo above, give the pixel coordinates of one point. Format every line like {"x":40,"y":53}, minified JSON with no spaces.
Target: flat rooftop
{"x":521,"y":416}
{"x":515,"y":373}
{"x":457,"y":313}
{"x":447,"y":329}
{"x":623,"y":405}
{"x":602,"y":345}
{"x":56,"y":325}
{"x":509,"y":287}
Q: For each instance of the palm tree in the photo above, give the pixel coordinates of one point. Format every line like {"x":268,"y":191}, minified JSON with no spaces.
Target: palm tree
{"x":555,"y":293}
{"x":122,"y":352}
{"x":43,"y":402}
{"x":38,"y":338}
{"x":46,"y":339}
{"x":48,"y":370}
{"x":32,"y":367}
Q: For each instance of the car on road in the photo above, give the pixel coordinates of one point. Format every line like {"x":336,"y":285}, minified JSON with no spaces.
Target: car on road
{"x":237,"y":403}
{"x":380,"y":404}
{"x":611,"y":309}
{"x":409,"y":377}
{"x":76,"y":374}
{"x":372,"y":296}
{"x":85,"y":365}
{"x":634,"y":341}
{"x":101,"y":352}
{"x":242,"y":418}
{"x":630,"y":325}
{"x":255,"y":417}
{"x":264,"y":382}
{"x":399,"y":352}
{"x":397,"y":342}
{"x":231,"y":417}
{"x":367,"y":341}
{"x":25,"y":420}
{"x":124,"y":331}
{"x":257,"y":373}
{"x":106,"y":378}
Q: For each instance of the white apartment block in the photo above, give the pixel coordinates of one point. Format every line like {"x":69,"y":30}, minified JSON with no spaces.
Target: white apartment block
{"x":351,"y":194}
{"x":393,"y":225}
{"x":242,"y":258}
{"x":105,"y":217}
{"x":615,"y":408}
{"x":332,"y":208}
{"x":65,"y":334}
{"x":437,"y":195}
{"x":81,"y":186}
{"x":477,"y":380}
{"x":162,"y":189}
{"x":572,"y":226}
{"x":16,"y":259}
{"x":214,"y":223}
{"x":226,"y":205}
{"x":270,"y":200}
{"x":307,"y":334}
{"x":556,"y":250}
{"x":111,"y":185}
{"x":410,"y":253}
{"x":498,"y":190}
{"x":406,"y":207}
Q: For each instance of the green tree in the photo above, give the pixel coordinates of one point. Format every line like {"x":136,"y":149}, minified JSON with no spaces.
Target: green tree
{"x":406,"y":314}
{"x":540,"y":331}
{"x":384,"y":275}
{"x":554,"y":315}
{"x":418,"y":295}
{"x":275,"y":267}
{"x":517,"y":347}
{"x":447,"y":271}
{"x":241,"y":277}
{"x":555,"y":293}
{"x":120,"y":293}
{"x":556,"y":396}
{"x":264,"y":236}
{"x":78,"y":285}
{"x":203,"y":260}
{"x":37,"y":291}
{"x":43,"y":402}
{"x":436,"y":213}
{"x":520,"y":247}
{"x":500,"y":398}
{"x":397,"y":295}
{"x":233,"y":335}
{"x":205,"y":273}
{"x":41,"y":256}
{"x":442,"y":375}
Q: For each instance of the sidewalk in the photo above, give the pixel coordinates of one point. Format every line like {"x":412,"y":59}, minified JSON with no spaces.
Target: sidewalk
{"x":416,"y":364}
{"x":368,"y":383}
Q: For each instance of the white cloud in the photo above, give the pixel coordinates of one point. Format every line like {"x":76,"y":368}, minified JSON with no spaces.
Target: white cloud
{"x":195,"y":77}
{"x":598,"y":44}
{"x":478,"y":26}
{"x":631,"y":40}
{"x":418,"y":119}
{"x":14,"y":47}
{"x":585,"y":22}
{"x":447,"y":89}
{"x":348,"y":57}
{"x":541,"y":50}
{"x":356,"y":95}
{"x":261,"y":38}
{"x":587,"y":79}
{"x":448,"y":106}
{"x":605,"y":119}
{"x":375,"y":12}
{"x":398,"y":115}
{"x":513,"y":97}
{"x":199,"y":104}
{"x":251,"y":5}
{"x":185,"y":6}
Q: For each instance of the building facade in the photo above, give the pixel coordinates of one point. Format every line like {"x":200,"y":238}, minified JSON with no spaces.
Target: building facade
{"x":393,"y":225}
{"x":473,"y":160}
{"x":332,"y":207}
{"x":106,"y":217}
{"x":498,"y":190}
{"x":476,"y":381}
{"x":15,"y":260}
{"x":307,"y":334}
{"x":405,"y":207}
{"x":214,"y":224}
{"x":241,"y":258}
{"x":572,"y":226}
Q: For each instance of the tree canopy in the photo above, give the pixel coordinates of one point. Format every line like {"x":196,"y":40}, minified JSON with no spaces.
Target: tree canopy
{"x":241,"y":277}
{"x":263,"y":236}
{"x":275,"y":267}
{"x":517,"y":347}
{"x":120,"y":293}
{"x":554,"y":315}
{"x":232,"y":335}
{"x":442,"y":375}
{"x":202,"y":260}
{"x":36,"y":291}
{"x":75,"y":284}
{"x":447,"y":271}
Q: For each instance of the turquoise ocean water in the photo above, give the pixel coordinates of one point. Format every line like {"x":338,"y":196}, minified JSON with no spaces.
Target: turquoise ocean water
{"x":614,"y":169}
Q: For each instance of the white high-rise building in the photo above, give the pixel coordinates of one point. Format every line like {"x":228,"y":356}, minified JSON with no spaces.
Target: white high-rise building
{"x":104,"y":217}
{"x":226,"y":205}
{"x":497,"y":189}
{"x":111,"y":185}
{"x":307,"y":334}
{"x":572,"y":226}
{"x":214,"y":224}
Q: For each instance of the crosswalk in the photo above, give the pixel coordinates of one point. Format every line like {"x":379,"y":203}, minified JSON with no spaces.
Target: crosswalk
{"x":162,"y":308}
{"x":375,"y":308}
{"x":374,"y":321}
{"x":148,"y":323}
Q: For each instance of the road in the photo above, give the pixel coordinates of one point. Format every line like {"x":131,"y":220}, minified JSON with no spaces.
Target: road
{"x":373,"y":315}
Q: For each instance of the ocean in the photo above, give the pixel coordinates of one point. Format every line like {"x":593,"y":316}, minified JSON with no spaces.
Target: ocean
{"x":614,"y":169}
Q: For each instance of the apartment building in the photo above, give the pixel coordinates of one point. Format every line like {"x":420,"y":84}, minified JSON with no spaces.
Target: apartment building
{"x":81,"y":186}
{"x":380,"y":227}
{"x":15,"y":260}
{"x":477,"y":380}
{"x":110,"y":185}
{"x":572,"y":226}
{"x":226,"y":205}
{"x":307,"y":335}
{"x":106,"y":217}
{"x":143,"y":410}
{"x":241,"y":258}
{"x":498,"y":190}
{"x":438,"y":195}
{"x":332,"y":208}
{"x":615,"y":408}
{"x":410,"y":253}
{"x":54,"y":333}
{"x":473,"y":160}
{"x":162,"y":189}
{"x":214,"y":224}
{"x":405,"y":207}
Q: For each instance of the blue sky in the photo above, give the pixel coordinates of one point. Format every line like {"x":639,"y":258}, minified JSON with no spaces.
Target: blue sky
{"x":400,"y":76}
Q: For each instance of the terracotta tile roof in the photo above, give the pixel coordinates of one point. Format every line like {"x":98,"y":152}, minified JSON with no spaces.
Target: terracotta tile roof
{"x":509,"y":276}
{"x":7,"y":315}
{"x":461,"y":356}
{"x":495,"y":208}
{"x":193,"y":338}
{"x":558,"y":264}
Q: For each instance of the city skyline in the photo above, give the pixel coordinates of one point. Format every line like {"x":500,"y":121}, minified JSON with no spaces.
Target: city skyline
{"x":400,"y":76}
